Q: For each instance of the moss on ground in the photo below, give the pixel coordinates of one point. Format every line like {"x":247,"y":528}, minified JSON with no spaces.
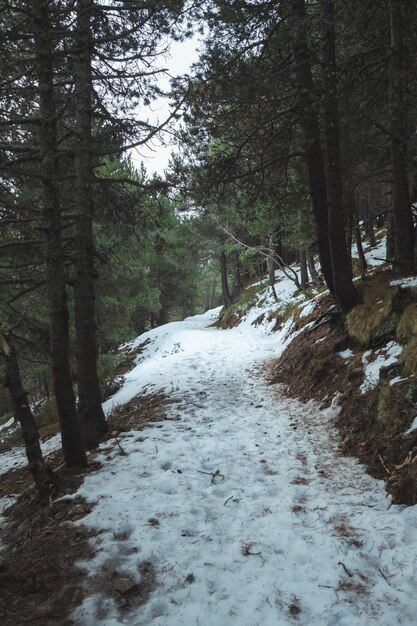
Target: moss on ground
{"x":408,"y":357}
{"x":407,"y":326}
{"x":378,"y":316}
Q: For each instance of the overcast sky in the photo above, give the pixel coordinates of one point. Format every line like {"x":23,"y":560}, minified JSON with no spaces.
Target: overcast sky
{"x":182,"y":55}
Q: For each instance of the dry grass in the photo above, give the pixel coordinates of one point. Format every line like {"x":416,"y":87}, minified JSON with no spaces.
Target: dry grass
{"x":300,"y":480}
{"x":297,"y":508}
{"x":407,"y":326}
{"x":352,"y":586}
{"x":408,"y":357}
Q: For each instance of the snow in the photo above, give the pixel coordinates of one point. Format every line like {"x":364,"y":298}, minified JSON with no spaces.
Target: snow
{"x":346,"y":354}
{"x":375,"y":256}
{"x":7,"y":424}
{"x":308,"y":308}
{"x":411,"y":281}
{"x":395,"y":380}
{"x":16,"y":457}
{"x":241,"y":501}
{"x":373,"y":362}
{"x":412,"y":427}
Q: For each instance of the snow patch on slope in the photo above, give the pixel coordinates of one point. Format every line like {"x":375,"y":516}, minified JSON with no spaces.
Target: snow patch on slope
{"x":388,"y":355}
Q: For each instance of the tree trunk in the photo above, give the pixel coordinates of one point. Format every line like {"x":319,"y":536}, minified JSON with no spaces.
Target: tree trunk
{"x":227,"y":300}
{"x":43,"y":476}
{"x":363,"y":265}
{"x":312,"y":269}
{"x":390,"y":238}
{"x":344,"y":290}
{"x":303,"y":268}
{"x":311,"y":130}
{"x":369,"y":225}
{"x":401,"y":204}
{"x":271,"y":265}
{"x":72,"y":442}
{"x":237,"y":282}
{"x":349,"y":232}
{"x":163,"y":316}
{"x":90,"y":410}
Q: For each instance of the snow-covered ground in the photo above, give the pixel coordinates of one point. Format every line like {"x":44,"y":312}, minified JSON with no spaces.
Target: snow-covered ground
{"x":240,"y":501}
{"x":239,"y":504}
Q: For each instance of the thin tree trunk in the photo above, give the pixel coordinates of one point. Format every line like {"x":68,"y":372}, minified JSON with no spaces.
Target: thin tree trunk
{"x":272,"y":266}
{"x":363,"y":265}
{"x":271,"y":278}
{"x":72,"y":442}
{"x":391,"y":238}
{"x":227,"y":300}
{"x":237,"y":282}
{"x":303,"y":268}
{"x":89,"y":396}
{"x":370,"y":233}
{"x":349,"y":233}
{"x":43,"y":476}
{"x":271,"y":270}
{"x":369,"y":225}
{"x":312,"y":269}
{"x":401,"y":204}
{"x":311,"y":130}
{"x":344,"y":290}
{"x":163,"y":316}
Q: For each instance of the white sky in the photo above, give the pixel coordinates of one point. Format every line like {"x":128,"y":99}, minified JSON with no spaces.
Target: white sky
{"x":155,"y":155}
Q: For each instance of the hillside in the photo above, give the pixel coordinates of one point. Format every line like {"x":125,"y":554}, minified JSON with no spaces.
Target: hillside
{"x":220,"y":499}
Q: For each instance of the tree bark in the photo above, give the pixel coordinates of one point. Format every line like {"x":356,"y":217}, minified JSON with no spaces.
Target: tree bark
{"x":344,"y":290}
{"x":312,"y":269}
{"x":227,"y":300}
{"x":43,"y":476}
{"x":90,"y":409}
{"x":369,"y":224}
{"x":390,"y":238}
{"x":363,"y":265}
{"x":72,"y":442}
{"x":401,"y":204}
{"x":311,"y":130}
{"x":237,"y":282}
{"x":303,"y":268}
{"x":272,"y":266}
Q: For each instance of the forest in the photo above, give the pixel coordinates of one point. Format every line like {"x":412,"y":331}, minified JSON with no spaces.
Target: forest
{"x":294,"y":154}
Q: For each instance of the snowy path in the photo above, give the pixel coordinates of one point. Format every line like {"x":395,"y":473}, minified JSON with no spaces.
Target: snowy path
{"x":286,"y":532}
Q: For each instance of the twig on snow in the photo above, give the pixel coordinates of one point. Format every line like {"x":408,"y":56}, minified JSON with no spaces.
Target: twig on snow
{"x":213,"y":475}
{"x":231,"y":498}
{"x":384,"y":577}
{"x":122,"y":452}
{"x":346,"y":569}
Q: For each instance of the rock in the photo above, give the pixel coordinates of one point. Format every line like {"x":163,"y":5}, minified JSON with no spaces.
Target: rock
{"x":123,"y":584}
